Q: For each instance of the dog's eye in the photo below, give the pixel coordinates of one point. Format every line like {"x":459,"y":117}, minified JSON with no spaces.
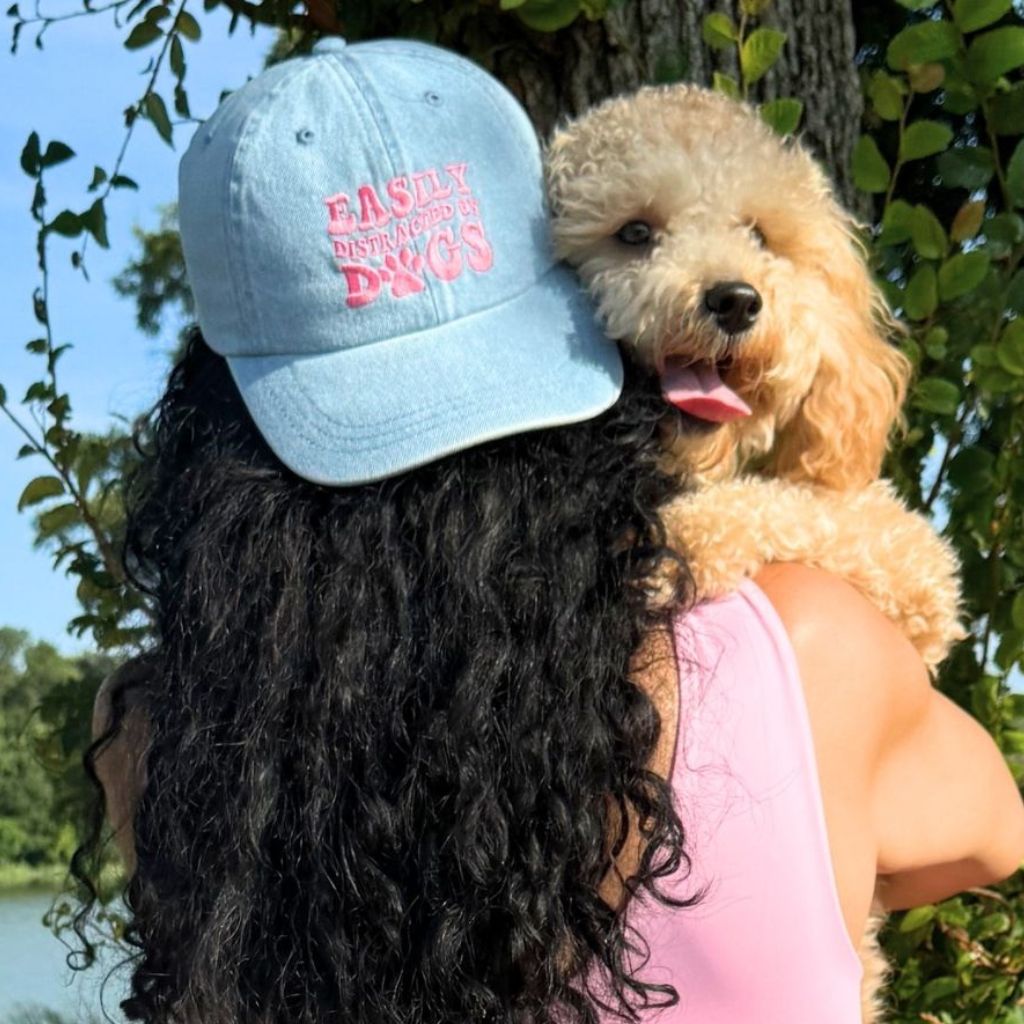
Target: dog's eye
{"x":757,"y":234}
{"x":635,"y":232}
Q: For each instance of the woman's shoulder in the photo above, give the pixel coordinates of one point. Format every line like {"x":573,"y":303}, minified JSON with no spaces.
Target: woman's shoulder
{"x":856,"y":667}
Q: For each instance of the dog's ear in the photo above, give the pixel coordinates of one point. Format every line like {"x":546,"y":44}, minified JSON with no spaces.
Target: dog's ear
{"x":839,"y":434}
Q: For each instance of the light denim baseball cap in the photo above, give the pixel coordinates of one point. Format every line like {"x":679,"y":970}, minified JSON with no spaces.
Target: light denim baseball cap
{"x":366,"y":236}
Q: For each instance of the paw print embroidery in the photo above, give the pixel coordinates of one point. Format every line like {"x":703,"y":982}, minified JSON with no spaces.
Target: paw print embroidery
{"x":405,"y":273}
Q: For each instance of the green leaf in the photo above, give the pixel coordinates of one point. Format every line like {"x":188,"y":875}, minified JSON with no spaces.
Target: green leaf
{"x":928,"y":234}
{"x":968,"y":220}
{"x":983,"y":355}
{"x":993,"y":924}
{"x":37,"y":346}
{"x":917,"y":5}
{"x":1015,"y":175}
{"x":726,"y":85}
{"x":1003,"y":231}
{"x":783,"y":115}
{"x":3,"y":395}
{"x":936,"y":395}
{"x":1010,"y":349}
{"x":760,"y":51}
{"x":56,"y":153}
{"x":99,"y":176}
{"x":59,"y":408}
{"x":959,"y":96}
{"x":916,"y":918}
{"x":971,"y":15}
{"x":59,"y":351}
{"x":548,"y":15}
{"x":156,"y":110}
{"x":962,"y":273}
{"x":1006,"y":111}
{"x":57,"y":519}
{"x":922,"y":43}
{"x":926,"y":77}
{"x":939,"y":988}
{"x":922,"y":295}
{"x":897,"y":222}
{"x":37,"y":392}
{"x":1017,"y":611}
{"x":870,"y":171}
{"x":144,"y":33}
{"x":94,"y":220}
{"x":511,"y":5}
{"x":968,"y":167}
{"x":188,"y":26}
{"x":30,"y":156}
{"x":66,"y":223}
{"x":1015,"y":292}
{"x":995,"y":380}
{"x":996,"y":52}
{"x":123,"y":181}
{"x":924,"y":138}
{"x":181,"y":102}
{"x":935,"y":342}
{"x":40,"y":489}
{"x":177,"y":57}
{"x":886,"y":95}
{"x":753,"y":8}
{"x":719,"y":31}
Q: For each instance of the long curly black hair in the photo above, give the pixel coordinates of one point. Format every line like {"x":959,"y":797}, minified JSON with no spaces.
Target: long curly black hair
{"x":393,"y":733}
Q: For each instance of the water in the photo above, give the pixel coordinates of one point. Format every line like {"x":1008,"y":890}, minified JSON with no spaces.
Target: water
{"x":33,"y":971}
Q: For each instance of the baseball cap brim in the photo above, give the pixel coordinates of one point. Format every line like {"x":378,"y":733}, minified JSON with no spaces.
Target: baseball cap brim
{"x":365,"y":413}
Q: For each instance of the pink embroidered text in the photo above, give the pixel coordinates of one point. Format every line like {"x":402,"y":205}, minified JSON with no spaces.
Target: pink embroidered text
{"x":376,"y":237}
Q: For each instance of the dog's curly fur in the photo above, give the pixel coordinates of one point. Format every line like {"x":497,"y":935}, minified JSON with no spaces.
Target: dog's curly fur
{"x":732,"y":529}
{"x":727,"y":200}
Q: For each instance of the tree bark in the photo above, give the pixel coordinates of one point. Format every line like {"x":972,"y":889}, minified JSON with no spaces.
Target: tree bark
{"x":646,"y":41}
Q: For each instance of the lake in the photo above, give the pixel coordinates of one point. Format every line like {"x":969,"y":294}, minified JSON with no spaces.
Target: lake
{"x":33,"y":972}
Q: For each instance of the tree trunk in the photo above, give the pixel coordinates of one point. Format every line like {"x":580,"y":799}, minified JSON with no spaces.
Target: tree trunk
{"x":644,"y":41}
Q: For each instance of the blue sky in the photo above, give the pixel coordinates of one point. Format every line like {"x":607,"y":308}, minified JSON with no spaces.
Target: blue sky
{"x":75,"y":90}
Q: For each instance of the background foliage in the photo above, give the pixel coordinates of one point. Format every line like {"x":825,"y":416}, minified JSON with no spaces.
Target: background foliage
{"x":45,"y":710}
{"x":940,"y":166}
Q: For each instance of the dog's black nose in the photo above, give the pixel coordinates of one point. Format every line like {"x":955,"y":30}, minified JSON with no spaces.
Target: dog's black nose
{"x":734,"y":305}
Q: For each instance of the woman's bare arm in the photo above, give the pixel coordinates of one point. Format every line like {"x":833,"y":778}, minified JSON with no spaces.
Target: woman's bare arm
{"x":943,"y":809}
{"x":120,"y":764}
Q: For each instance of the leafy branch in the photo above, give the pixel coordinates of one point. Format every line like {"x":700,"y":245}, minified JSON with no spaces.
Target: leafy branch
{"x":57,"y":444}
{"x":46,"y":20}
{"x":756,"y":52}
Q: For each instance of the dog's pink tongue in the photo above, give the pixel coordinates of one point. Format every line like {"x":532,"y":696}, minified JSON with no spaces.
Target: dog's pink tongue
{"x":698,"y":390}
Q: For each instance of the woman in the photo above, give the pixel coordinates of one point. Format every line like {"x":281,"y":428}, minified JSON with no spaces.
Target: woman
{"x":408,"y":746}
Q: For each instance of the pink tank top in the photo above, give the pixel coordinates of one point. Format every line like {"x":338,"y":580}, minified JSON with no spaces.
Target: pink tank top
{"x":767,"y":944}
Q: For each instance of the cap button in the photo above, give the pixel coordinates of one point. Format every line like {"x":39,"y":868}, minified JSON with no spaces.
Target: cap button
{"x":329,"y":44}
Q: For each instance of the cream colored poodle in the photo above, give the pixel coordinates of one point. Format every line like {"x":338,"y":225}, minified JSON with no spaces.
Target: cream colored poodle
{"x":717,"y":252}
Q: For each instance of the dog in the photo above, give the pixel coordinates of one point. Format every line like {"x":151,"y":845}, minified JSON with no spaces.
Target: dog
{"x":718,"y":255}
